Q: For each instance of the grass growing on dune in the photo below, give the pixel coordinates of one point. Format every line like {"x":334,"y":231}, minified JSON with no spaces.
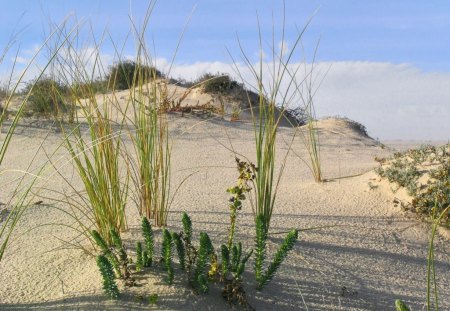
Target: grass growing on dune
{"x":97,"y":162}
{"x":274,"y":89}
{"x":149,"y":102}
{"x":310,"y":136}
{"x":150,"y":136}
{"x":95,"y":151}
{"x":151,"y":143}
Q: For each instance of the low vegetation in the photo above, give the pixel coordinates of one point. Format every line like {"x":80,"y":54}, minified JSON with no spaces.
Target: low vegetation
{"x":218,"y":83}
{"x":202,"y":264}
{"x":49,"y":98}
{"x":425,"y":174}
{"x":124,"y":74}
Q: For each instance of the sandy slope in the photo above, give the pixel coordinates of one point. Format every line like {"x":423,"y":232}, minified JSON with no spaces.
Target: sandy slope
{"x":371,"y":256}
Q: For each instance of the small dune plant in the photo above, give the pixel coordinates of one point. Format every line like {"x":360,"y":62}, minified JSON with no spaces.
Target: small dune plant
{"x":150,"y":164}
{"x":217,"y":83}
{"x":109,"y":284}
{"x":116,"y":255}
{"x":407,"y":169}
{"x":166,"y":254}
{"x":144,"y":252}
{"x":264,"y":277}
{"x":269,"y":83}
{"x":203,"y":264}
{"x":48,"y":98}
{"x":95,"y":146}
{"x":401,"y":306}
{"x":246,"y":177}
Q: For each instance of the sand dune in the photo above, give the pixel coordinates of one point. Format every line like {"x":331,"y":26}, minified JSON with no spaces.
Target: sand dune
{"x":370,"y":255}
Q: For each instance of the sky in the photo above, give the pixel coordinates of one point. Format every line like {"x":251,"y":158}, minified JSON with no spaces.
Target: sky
{"x":384,"y":63}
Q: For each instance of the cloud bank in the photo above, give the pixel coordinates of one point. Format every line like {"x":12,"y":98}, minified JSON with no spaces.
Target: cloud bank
{"x":392,"y":101}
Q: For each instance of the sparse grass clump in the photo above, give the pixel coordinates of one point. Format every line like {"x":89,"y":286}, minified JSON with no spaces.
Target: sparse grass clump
{"x":96,"y":159}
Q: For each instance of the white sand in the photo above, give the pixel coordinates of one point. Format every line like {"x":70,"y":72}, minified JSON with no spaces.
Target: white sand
{"x":372,"y":256}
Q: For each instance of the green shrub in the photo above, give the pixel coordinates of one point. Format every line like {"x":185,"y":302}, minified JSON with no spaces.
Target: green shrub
{"x":217,"y":83}
{"x":48,"y":98}
{"x":126,"y":73}
{"x":407,"y":168}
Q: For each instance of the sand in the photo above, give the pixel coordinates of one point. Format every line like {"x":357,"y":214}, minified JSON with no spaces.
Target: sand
{"x":372,"y":254}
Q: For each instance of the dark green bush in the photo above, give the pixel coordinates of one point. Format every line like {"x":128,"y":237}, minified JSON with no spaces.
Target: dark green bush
{"x":123,"y":75}
{"x":48,"y":98}
{"x":218,"y":83}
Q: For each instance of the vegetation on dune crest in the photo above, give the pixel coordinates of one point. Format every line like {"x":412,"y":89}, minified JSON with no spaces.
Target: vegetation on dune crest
{"x":124,"y":74}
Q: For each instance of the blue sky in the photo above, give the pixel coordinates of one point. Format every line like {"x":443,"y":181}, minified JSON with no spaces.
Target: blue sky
{"x":403,"y":42}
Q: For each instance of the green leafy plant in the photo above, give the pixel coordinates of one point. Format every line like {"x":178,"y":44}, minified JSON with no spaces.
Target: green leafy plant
{"x":48,"y":98}
{"x":246,"y":176}
{"x":187,"y":227}
{"x":226,"y":264}
{"x":107,"y":252}
{"x":153,"y":299}
{"x":147,"y":257}
{"x":190,"y":250}
{"x":139,"y":257}
{"x":116,"y":255}
{"x":123,"y":258}
{"x":260,"y":248}
{"x":401,"y":306}
{"x":264,"y":277}
{"x":205,"y":251}
{"x":109,"y":284}
{"x":166,"y":254}
{"x":176,"y":238}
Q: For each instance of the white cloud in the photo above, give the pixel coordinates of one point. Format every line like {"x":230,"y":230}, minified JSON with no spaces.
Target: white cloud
{"x":19,"y":60}
{"x":392,"y":101}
